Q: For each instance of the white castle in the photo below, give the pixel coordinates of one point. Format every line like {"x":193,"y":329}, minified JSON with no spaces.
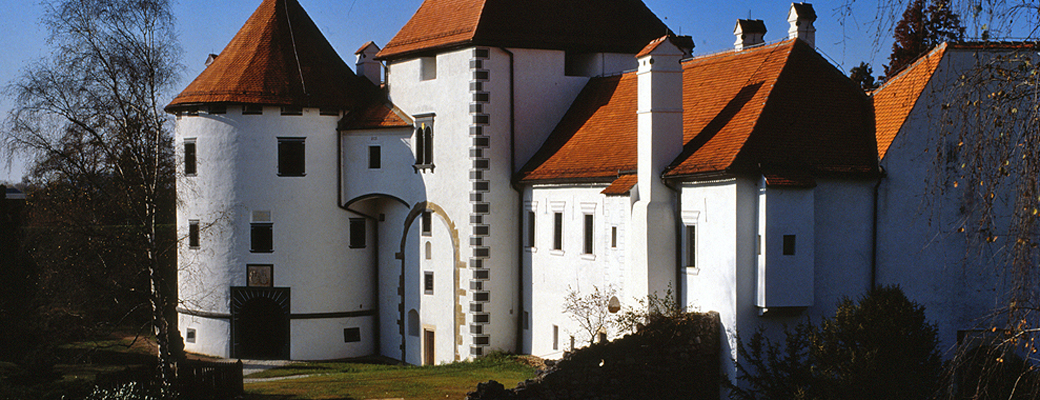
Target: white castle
{"x":497,"y":154}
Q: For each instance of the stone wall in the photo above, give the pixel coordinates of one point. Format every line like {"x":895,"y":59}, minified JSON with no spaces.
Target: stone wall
{"x":670,"y":358}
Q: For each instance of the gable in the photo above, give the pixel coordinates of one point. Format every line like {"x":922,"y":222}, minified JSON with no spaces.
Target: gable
{"x":894,"y":101}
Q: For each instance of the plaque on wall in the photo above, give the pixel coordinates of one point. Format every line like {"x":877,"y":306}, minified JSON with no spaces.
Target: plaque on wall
{"x":260,"y":276}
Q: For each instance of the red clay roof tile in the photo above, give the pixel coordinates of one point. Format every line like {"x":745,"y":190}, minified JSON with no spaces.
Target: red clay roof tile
{"x":778,"y":106}
{"x":894,"y":101}
{"x":622,"y":185}
{"x":621,"y":26}
{"x":279,"y":57}
{"x":375,"y":116}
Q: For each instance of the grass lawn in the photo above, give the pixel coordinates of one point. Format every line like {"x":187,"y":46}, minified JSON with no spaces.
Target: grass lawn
{"x":334,"y":380}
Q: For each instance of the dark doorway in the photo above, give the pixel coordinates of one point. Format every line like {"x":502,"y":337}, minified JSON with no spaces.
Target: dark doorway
{"x":260,"y":324}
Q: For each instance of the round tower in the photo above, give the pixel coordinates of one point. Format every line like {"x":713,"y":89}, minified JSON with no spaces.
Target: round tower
{"x":269,"y":265}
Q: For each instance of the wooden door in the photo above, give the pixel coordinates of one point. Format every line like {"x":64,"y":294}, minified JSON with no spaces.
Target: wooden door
{"x":428,"y":339}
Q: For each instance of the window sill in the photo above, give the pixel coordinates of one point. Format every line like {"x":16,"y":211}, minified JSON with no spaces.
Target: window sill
{"x":693,"y":271}
{"x":291,"y":175}
{"x":423,"y":167}
{"x":557,"y":252}
{"x":262,"y":251}
{"x":531,"y":249}
{"x":588,"y":256}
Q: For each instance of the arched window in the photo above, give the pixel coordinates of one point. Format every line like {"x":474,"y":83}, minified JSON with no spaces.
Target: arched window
{"x":420,"y":146}
{"x":424,"y":142}
{"x":413,"y":322}
{"x":429,"y":251}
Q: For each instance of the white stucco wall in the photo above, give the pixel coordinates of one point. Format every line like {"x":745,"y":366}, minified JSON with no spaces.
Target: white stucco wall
{"x":238,"y":174}
{"x":959,"y":282}
{"x":554,"y":273}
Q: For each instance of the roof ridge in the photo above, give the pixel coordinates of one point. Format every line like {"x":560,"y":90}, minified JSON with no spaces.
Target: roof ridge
{"x":905,"y":70}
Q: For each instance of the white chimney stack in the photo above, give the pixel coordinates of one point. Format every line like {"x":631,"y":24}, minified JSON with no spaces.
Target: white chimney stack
{"x":366,"y":64}
{"x":749,"y":32}
{"x":801,"y":16}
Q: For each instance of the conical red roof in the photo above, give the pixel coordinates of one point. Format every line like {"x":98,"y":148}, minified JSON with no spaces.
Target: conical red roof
{"x":279,"y":57}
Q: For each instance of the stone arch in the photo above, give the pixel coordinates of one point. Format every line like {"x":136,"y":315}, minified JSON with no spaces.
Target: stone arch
{"x":459,"y":318}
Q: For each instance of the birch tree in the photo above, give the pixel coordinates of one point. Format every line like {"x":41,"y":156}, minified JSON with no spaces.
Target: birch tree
{"x":89,"y":118}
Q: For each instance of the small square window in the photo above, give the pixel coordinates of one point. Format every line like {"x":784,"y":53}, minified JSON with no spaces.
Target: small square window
{"x":190,"y":335}
{"x":193,"y":234}
{"x":374,"y":157}
{"x":351,"y":335}
{"x":190,"y":158}
{"x":428,"y":282}
{"x":789,"y":244}
{"x":357,"y":233}
{"x":291,"y":157}
{"x":429,"y":68}
{"x":261,"y":238}
{"x":252,"y":109}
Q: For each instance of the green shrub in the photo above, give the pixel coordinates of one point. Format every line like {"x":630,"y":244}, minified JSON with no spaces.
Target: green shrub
{"x":880,"y":347}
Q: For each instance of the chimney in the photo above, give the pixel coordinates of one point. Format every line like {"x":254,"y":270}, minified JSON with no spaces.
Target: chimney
{"x":749,"y":33}
{"x":366,"y":65}
{"x":659,"y":132}
{"x":801,"y":17}
{"x":209,"y":60}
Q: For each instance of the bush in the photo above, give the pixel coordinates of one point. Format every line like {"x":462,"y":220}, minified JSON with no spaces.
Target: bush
{"x":878,"y":348}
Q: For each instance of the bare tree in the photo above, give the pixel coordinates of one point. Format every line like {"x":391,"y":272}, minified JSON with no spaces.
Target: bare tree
{"x":987,"y":154}
{"x":90,"y":120}
{"x":591,"y":311}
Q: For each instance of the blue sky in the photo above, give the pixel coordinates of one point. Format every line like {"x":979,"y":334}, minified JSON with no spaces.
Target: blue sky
{"x":206,"y":26}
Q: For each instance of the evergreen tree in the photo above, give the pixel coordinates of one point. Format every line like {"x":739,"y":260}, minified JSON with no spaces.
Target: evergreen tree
{"x":921,"y":29}
{"x":863,"y":75}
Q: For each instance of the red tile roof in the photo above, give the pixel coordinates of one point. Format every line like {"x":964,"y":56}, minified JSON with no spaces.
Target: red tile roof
{"x":376,"y":116}
{"x":622,"y":185}
{"x":596,"y":139}
{"x":894,"y":101}
{"x":622,"y":26}
{"x":279,"y":57}
{"x":773,"y":107}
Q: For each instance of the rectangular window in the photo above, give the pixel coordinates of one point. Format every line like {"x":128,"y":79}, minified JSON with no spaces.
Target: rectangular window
{"x":190,"y":159}
{"x":374,"y":157}
{"x":261,"y":238}
{"x":428,"y":282}
{"x":292,"y":110}
{"x":423,"y":143}
{"x":357,"y":233}
{"x":190,"y":337}
{"x":427,"y":223}
{"x":556,"y":337}
{"x":193,"y":234}
{"x":530,"y":229}
{"x":691,"y":246}
{"x":613,"y":237}
{"x":351,"y":335}
{"x":558,"y":231}
{"x":788,"y":245}
{"x":429,"y":68}
{"x":291,"y":157}
{"x":252,"y":109}
{"x":588,"y":234}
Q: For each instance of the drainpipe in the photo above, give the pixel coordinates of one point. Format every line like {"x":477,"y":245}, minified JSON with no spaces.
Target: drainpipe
{"x":679,"y":267}
{"x":874,"y":233}
{"x":520,"y":209}
{"x":375,"y":225}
